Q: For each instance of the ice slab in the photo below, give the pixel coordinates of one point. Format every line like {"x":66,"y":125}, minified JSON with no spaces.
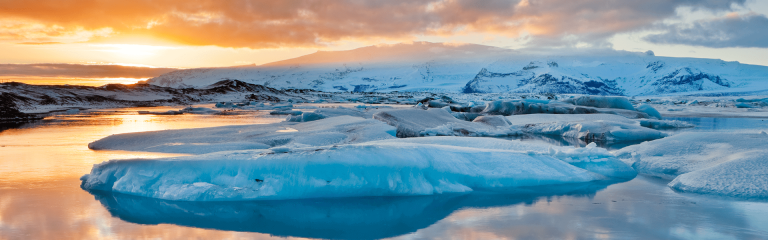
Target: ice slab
{"x":416,"y":122}
{"x":520,"y":107}
{"x":664,"y":124}
{"x":729,"y":164}
{"x":336,"y":130}
{"x":588,"y":127}
{"x":591,"y":158}
{"x":397,"y":167}
{"x":603,"y":102}
{"x":648,"y":109}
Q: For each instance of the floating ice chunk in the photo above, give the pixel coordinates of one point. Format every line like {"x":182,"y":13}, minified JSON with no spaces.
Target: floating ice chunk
{"x":592,"y":127}
{"x":664,"y":124}
{"x":465,"y":116}
{"x":603,"y":102}
{"x":285,"y":112}
{"x":198,"y":110}
{"x":649,"y":110}
{"x":73,"y":111}
{"x":415,"y":122}
{"x":743,"y":105}
{"x":169,"y":112}
{"x":306,"y":117}
{"x":495,"y":121}
{"x":387,"y":168}
{"x":743,"y":175}
{"x":728,"y":164}
{"x":305,"y":107}
{"x":688,"y":152}
{"x":595,"y":131}
{"x":537,"y":107}
{"x":336,"y":130}
{"x":225,"y":105}
{"x":550,"y":118}
{"x":372,"y":106}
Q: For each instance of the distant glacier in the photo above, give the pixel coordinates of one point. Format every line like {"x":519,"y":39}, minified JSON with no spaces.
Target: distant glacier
{"x":469,"y":68}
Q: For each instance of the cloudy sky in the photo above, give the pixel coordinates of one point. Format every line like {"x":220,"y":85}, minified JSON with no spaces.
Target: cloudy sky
{"x":211,"y":33}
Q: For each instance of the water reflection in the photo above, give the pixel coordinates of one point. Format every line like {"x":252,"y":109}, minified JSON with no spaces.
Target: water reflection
{"x":643,"y":208}
{"x":341,"y":218}
{"x":40,"y":198}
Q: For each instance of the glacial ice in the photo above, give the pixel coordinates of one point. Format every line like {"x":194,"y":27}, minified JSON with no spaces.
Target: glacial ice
{"x":531,"y":106}
{"x":591,"y":127}
{"x":729,"y":164}
{"x":664,"y":124}
{"x":648,"y":109}
{"x":336,"y":130}
{"x":416,"y":122}
{"x":306,"y":117}
{"x":396,"y":167}
{"x":602,"y":102}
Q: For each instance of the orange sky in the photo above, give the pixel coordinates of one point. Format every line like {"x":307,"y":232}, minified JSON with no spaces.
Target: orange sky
{"x":213,"y":33}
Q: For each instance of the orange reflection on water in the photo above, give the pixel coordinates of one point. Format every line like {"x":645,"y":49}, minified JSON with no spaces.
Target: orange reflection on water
{"x":32,"y":157}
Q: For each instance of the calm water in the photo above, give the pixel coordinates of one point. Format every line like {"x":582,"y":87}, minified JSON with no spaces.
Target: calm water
{"x":40,"y":198}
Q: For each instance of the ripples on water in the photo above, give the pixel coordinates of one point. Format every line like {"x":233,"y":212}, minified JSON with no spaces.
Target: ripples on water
{"x":40,"y":198}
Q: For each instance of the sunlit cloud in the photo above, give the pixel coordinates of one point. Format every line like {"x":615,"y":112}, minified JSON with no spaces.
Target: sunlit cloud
{"x":260,"y":24}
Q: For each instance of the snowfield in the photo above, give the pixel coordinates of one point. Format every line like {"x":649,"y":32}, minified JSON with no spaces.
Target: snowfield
{"x":379,"y":168}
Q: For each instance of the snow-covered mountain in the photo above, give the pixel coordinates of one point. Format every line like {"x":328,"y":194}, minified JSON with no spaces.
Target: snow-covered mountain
{"x":469,"y":68}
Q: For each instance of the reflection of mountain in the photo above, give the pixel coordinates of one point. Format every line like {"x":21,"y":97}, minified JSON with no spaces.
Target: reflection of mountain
{"x":338,"y":218}
{"x":470,"y":68}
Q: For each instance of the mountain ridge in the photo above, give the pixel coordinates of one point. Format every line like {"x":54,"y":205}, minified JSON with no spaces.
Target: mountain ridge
{"x":471,"y":68}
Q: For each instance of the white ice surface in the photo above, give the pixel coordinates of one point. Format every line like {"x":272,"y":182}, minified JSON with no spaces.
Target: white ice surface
{"x":419,"y":166}
{"x":729,"y":164}
{"x":336,"y":130}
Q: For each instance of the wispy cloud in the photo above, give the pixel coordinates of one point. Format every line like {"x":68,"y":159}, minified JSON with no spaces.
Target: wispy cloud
{"x":297,"y":23}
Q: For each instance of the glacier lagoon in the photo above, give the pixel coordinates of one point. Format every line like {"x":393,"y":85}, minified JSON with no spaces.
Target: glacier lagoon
{"x":40,"y":197}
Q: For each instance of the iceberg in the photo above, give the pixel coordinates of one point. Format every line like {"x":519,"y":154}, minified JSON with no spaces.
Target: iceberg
{"x":306,"y":117}
{"x":396,"y":167}
{"x":664,"y":124}
{"x":416,"y":122}
{"x":727,"y":164}
{"x":648,"y":109}
{"x":532,"y":106}
{"x":602,"y":102}
{"x":328,"y":131}
{"x":587,"y":127}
